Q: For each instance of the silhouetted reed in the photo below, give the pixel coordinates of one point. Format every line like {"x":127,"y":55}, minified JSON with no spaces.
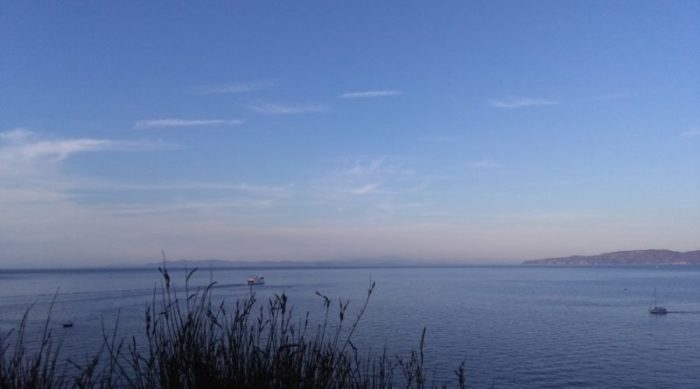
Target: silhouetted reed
{"x":189,"y":341}
{"x":20,"y":368}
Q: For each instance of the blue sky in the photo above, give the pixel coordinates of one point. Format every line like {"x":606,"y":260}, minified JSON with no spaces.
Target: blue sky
{"x":445,"y":131}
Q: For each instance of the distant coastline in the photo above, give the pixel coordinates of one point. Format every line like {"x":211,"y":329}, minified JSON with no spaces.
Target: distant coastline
{"x":624,"y":258}
{"x":652,"y":257}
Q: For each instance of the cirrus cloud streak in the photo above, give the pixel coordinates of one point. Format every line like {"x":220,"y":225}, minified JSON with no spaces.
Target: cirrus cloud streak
{"x":173,"y":122}
{"x":286,"y":109}
{"x":520,"y":102}
{"x":372,"y":93}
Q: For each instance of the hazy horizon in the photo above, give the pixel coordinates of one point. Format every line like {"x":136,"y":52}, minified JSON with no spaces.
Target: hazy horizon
{"x":261,"y":131}
{"x":272,"y":264}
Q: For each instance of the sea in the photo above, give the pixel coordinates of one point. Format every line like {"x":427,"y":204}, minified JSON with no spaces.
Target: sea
{"x":512,"y":326}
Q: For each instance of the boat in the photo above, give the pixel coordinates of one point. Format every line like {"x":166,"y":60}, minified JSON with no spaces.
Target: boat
{"x":257,"y":280}
{"x":67,"y":324}
{"x":656,"y":309}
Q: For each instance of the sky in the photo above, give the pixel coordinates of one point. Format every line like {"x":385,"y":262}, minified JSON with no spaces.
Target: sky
{"x":452,"y":131}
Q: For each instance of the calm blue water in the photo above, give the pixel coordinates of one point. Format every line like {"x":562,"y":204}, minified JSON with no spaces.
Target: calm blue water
{"x":516,"y":327}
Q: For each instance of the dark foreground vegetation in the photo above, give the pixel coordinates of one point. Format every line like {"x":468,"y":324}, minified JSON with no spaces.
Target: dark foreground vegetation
{"x":191,"y":342}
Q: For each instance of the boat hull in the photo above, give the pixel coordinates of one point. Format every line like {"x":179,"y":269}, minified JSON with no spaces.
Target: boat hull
{"x":258,"y":280}
{"x":658,"y":311}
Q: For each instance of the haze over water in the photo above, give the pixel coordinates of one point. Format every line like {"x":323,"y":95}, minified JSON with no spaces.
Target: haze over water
{"x":517,"y":327}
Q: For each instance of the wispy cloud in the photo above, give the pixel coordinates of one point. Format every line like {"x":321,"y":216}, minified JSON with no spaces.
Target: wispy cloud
{"x":16,"y":135}
{"x":193,"y":186}
{"x":483,"y":164}
{"x":365,"y":168}
{"x":691,"y":133}
{"x":369,"y":188}
{"x":365,"y":189}
{"x":286,"y":109}
{"x":520,"y":102}
{"x":178,"y":207}
{"x":41,"y":194}
{"x":371,"y":93}
{"x":23,"y":151}
{"x":232,"y":87}
{"x":171,"y":122}
{"x":63,"y":148}
{"x":610,"y":96}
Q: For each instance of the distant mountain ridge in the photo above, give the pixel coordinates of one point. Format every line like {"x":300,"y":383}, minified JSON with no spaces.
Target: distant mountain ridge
{"x":631,"y":257}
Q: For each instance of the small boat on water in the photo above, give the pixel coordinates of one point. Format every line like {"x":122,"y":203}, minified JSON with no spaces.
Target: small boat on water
{"x":656,"y":309}
{"x":67,"y":324}
{"x":257,"y":280}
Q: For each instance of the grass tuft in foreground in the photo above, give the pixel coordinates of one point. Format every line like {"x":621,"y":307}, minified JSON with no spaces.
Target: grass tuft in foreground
{"x":191,"y":342}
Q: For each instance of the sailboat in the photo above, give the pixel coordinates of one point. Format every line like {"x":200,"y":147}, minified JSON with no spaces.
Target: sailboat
{"x":656,"y":309}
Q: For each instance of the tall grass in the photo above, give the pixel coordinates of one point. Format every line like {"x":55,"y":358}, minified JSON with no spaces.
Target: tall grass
{"x":20,"y":368}
{"x":189,"y":341}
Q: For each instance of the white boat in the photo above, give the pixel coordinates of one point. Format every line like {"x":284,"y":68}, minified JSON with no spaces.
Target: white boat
{"x":257,"y":280}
